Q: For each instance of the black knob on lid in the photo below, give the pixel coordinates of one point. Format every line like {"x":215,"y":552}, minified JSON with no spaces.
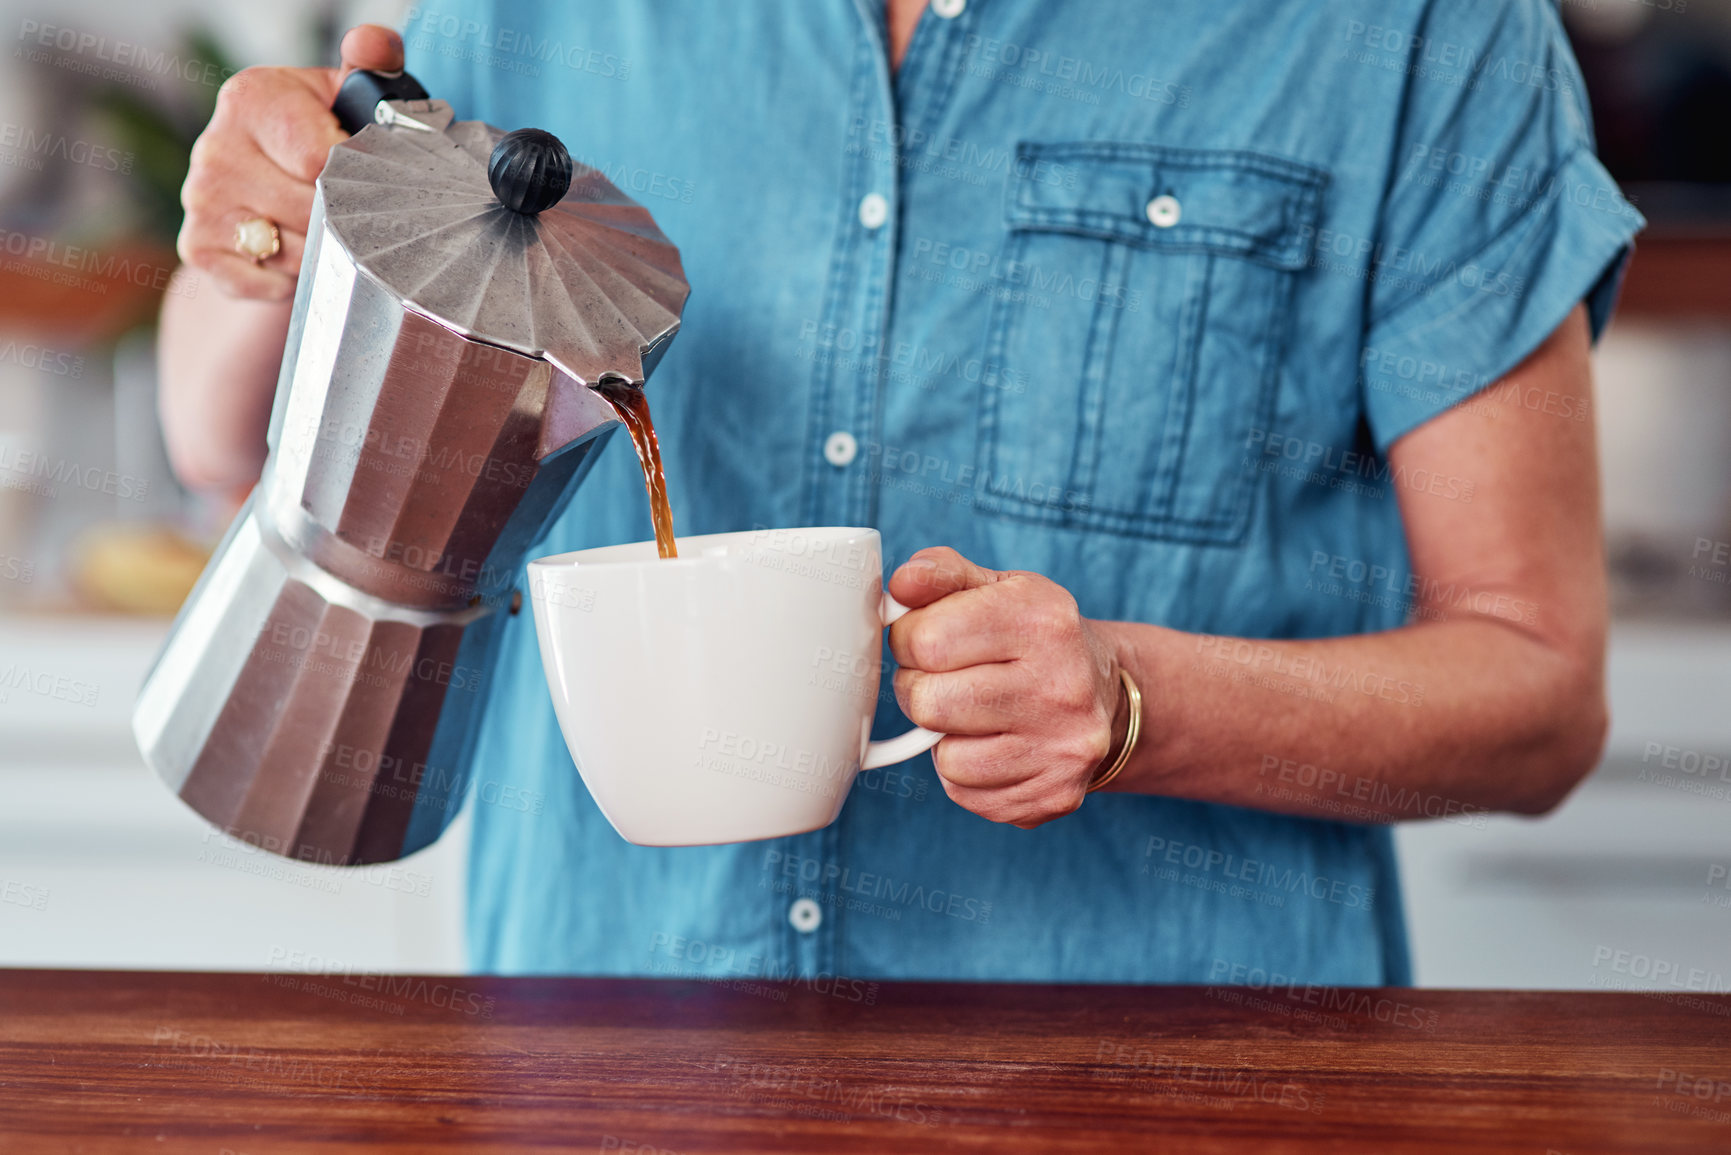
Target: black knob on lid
{"x":529,"y":170}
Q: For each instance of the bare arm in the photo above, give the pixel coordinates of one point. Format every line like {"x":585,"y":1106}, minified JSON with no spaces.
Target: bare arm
{"x":222,"y":336}
{"x":1493,"y":699}
{"x":218,"y":357}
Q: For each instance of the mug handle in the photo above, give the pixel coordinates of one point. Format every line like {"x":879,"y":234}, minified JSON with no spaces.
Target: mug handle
{"x":889,"y":751}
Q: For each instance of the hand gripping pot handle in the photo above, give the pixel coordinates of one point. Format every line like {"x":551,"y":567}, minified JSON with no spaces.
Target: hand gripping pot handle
{"x":889,"y":751}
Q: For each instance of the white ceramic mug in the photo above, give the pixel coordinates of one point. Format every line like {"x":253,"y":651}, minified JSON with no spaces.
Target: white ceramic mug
{"x":726,"y":694}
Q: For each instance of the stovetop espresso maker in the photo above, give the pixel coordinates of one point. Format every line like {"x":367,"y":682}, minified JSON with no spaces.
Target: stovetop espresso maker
{"x":462,"y":291}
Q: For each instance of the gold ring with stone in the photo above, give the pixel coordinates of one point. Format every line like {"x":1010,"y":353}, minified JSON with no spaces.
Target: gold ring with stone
{"x":257,"y":239}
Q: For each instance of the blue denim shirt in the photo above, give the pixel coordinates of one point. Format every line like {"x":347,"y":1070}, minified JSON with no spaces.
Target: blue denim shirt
{"x":1136,"y":297}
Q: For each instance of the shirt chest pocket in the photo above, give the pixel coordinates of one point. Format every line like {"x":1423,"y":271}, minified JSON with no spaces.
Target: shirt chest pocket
{"x":1136,"y":334}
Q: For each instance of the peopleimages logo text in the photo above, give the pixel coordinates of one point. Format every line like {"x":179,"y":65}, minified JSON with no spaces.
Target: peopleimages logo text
{"x":1257,"y":873}
{"x":122,"y":53}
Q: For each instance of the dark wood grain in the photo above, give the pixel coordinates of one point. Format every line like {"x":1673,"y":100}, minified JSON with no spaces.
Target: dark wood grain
{"x":262,"y":1064}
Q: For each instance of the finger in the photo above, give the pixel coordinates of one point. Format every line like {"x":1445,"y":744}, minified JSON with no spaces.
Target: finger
{"x":284,"y":111}
{"x":372,"y":46}
{"x":996,"y":623}
{"x":215,"y":233}
{"x":223,"y":178}
{"x":237,"y":276}
{"x":288,"y":258}
{"x":932,"y":573}
{"x":298,"y":138}
{"x":369,"y":46}
{"x":1025,"y":804}
{"x":978,"y":700}
{"x":986,"y":761}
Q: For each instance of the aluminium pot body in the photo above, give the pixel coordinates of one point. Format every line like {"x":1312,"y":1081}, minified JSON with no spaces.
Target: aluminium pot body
{"x":319,"y":692}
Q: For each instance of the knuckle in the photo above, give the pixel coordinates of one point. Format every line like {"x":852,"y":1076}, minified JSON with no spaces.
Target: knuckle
{"x":197,"y":196}
{"x":1058,"y":613}
{"x":1099,"y":744}
{"x":939,"y":708}
{"x":200,"y":155}
{"x":920,"y":701}
{"x":248,"y":86}
{"x":1032,"y":816}
{"x":927,"y":645}
{"x":1046,"y":618}
{"x":233,"y":92}
{"x":953,"y":770}
{"x":201,"y":257}
{"x":309,"y":157}
{"x":899,"y":687}
{"x":208,"y":182}
{"x":1057,"y":806}
{"x":923,"y":576}
{"x":1089,"y":750}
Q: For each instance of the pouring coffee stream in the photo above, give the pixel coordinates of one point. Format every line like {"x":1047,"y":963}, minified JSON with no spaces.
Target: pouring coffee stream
{"x":632,"y":405}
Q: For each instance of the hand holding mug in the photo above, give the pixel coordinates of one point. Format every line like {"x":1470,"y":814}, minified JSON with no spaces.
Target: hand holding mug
{"x":1005,"y":665}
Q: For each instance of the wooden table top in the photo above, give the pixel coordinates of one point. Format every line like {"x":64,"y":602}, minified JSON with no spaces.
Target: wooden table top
{"x":247,"y":1064}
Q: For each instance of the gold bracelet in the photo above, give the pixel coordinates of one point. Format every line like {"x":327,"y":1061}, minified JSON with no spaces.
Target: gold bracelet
{"x":1130,"y":735}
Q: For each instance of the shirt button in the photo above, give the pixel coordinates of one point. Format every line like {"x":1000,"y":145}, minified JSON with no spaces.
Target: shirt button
{"x":805,"y":915}
{"x":1164,"y":211}
{"x":949,"y":9}
{"x":874,"y":210}
{"x":840,"y":449}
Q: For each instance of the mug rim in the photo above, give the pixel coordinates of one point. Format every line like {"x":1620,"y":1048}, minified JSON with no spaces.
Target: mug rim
{"x":575,"y":559}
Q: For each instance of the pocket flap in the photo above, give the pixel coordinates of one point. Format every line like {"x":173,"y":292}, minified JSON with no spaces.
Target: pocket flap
{"x":1241,"y":204}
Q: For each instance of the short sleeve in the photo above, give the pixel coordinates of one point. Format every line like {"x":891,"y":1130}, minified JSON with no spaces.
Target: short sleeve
{"x":1499,"y":218}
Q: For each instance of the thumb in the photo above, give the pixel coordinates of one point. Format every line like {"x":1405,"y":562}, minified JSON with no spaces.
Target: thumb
{"x":932,"y":573}
{"x":365,"y":46}
{"x":374,"y":47}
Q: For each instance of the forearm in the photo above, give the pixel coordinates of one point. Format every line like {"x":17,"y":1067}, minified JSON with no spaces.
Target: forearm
{"x":1430,"y":720}
{"x":218,"y":358}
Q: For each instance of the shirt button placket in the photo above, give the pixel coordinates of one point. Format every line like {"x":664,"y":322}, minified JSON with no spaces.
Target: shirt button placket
{"x":816,"y":927}
{"x":855,"y":398}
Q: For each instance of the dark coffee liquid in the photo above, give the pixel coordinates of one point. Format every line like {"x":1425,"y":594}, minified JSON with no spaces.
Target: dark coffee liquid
{"x":633,"y":409}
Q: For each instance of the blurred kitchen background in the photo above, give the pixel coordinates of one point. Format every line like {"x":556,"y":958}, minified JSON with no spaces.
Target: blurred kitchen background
{"x":100,"y":866}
